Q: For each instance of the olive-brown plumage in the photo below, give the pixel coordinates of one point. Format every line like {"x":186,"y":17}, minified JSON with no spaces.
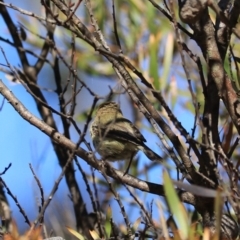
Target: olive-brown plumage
{"x":115,"y":137}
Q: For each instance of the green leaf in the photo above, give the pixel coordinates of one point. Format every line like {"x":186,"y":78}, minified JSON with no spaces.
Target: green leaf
{"x":176,"y":207}
{"x":107,"y":223}
{"x":153,"y":65}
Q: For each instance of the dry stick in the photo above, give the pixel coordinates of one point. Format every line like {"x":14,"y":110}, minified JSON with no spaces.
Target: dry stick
{"x":184,"y":64}
{"x":61,"y":91}
{"x":114,"y":234}
{"x":232,"y":177}
{"x":230,"y":63}
{"x":74,"y":85}
{"x":215,"y":7}
{"x":73,"y":95}
{"x":160,"y":9}
{"x":119,"y":201}
{"x":2,"y":104}
{"x":221,"y":154}
{"x":73,"y":12}
{"x":55,"y":187}
{"x":95,"y":207}
{"x":95,"y":191}
{"x":165,"y":143}
{"x":229,"y":155}
{"x":115,"y":28}
{"x":45,"y":49}
{"x":96,"y":27}
{"x":88,"y":120}
{"x":16,"y":201}
{"x":182,"y":46}
{"x":24,"y":12}
{"x":183,"y":131}
{"x":58,"y":80}
{"x":197,"y":60}
{"x":85,"y":179}
{"x":235,"y":62}
{"x":25,"y":50}
{"x":57,"y":75}
{"x":148,"y":224}
{"x":141,"y":206}
{"x":6,"y":168}
{"x":196,"y":118}
{"x":97,"y":201}
{"x":166,"y":6}
{"x":42,"y":199}
{"x":39,"y":186}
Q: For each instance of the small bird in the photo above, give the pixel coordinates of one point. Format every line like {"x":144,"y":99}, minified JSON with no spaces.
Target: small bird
{"x":115,"y":137}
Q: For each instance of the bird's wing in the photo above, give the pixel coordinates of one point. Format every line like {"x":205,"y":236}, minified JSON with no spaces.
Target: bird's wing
{"x":123,"y":129}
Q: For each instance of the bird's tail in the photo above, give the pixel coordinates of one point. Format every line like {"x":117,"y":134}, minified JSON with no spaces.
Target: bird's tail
{"x":151,"y":154}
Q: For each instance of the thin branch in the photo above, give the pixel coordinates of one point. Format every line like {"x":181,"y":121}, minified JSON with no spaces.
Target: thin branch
{"x":16,"y":201}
